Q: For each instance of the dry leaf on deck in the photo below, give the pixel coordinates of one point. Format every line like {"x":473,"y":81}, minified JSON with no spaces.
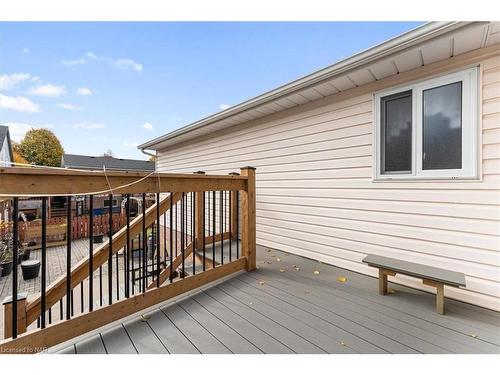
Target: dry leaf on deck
{"x":282,"y":270}
{"x":390,"y":291}
{"x":261,"y":282}
{"x":341,"y":279}
{"x":316,"y":272}
{"x":278,"y":259}
{"x":144,"y":318}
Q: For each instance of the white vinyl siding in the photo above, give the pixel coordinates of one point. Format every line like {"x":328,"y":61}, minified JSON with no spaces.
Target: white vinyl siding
{"x":316,"y":196}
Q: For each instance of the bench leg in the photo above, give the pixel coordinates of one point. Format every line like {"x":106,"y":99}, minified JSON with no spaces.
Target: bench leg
{"x":439,"y":295}
{"x":382,"y":282}
{"x":440,"y":299}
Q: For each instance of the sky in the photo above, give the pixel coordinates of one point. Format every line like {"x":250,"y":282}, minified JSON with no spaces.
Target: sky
{"x":111,"y":86}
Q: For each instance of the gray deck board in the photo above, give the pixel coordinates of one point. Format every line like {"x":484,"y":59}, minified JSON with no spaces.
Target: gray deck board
{"x":258,"y":337}
{"x":173,"y":339}
{"x":406,"y":334}
{"x":286,"y":307}
{"x":340,"y":335}
{"x":354,"y":327}
{"x":68,"y":350}
{"x":433,"y":333}
{"x":143,"y":337}
{"x":92,"y":345}
{"x":204,"y":341}
{"x":308,"y":332}
{"x":117,"y":341}
{"x":281,"y":333}
{"x":226,"y":335}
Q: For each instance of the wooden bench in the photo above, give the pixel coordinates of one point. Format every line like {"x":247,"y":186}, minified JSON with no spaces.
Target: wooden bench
{"x":432,"y":276}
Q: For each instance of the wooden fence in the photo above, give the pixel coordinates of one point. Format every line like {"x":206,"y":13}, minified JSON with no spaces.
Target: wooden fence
{"x":56,"y":228}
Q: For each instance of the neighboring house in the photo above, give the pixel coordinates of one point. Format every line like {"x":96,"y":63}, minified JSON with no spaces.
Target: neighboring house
{"x":101,"y":202}
{"x":6,"y":157}
{"x":394,"y":151}
{"x":107,"y":162}
{"x":6,"y":153}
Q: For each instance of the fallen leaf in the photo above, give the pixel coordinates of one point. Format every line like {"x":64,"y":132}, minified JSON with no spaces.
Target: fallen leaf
{"x":278,"y":259}
{"x":269,"y":262}
{"x":296,"y":268}
{"x":250,"y":303}
{"x":282,"y":270}
{"x":473,"y":335}
{"x":316,"y":272}
{"x":390,"y":291}
{"x":144,"y":318}
{"x":268,"y":250}
{"x":342,"y":343}
{"x":342,"y":279}
{"x":261,"y":282}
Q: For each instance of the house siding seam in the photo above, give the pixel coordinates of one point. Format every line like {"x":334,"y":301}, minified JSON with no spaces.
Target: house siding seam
{"x":316,"y":196}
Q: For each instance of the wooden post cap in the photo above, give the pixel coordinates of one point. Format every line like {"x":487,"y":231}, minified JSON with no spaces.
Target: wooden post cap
{"x":248,"y":167}
{"x":20,"y":297}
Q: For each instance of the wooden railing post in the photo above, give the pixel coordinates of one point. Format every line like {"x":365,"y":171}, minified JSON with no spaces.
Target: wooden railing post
{"x":21,"y":314}
{"x":199,"y":217}
{"x":248,"y":209}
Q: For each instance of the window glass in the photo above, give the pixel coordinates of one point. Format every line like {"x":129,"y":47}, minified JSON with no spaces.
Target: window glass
{"x":397,"y":133}
{"x":442,"y":127}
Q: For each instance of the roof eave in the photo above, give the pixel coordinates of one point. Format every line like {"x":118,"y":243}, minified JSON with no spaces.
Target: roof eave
{"x":397,"y":44}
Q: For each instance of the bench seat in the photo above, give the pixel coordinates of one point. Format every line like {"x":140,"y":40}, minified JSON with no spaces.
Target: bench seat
{"x":431,"y":276}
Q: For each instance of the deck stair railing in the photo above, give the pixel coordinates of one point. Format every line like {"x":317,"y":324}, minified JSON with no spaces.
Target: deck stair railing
{"x":200,"y":228}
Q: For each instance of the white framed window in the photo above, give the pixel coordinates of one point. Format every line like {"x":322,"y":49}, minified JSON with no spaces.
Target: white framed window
{"x":428,"y":129}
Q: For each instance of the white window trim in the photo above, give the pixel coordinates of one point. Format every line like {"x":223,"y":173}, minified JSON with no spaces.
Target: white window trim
{"x":470,"y":98}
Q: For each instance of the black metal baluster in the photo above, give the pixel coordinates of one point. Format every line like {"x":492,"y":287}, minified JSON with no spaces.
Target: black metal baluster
{"x":171,"y":237}
{"x":72,"y":305}
{"x":82,"y":297}
{"x":176,"y":228}
{"x":117,"y":269}
{"x":144,"y":243}
{"x":69,"y":223}
{"x":204,"y":229}
{"x":127,"y":252}
{"x":15,"y":251}
{"x":182,"y":232}
{"x":237,"y":224}
{"x":44,"y":261}
{"x":110,"y":251}
{"x":193,"y":232}
{"x":164,"y":240}
{"x":221,"y":226}
{"x":91,"y":252}
{"x":213,"y":229}
{"x":50,"y":315}
{"x":61,"y":308}
{"x":158,"y":239}
{"x":230,"y":214}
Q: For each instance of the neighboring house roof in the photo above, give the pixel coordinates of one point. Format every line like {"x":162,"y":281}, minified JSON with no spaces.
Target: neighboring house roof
{"x":97,"y":163}
{"x":429,"y":43}
{"x":4,"y":134}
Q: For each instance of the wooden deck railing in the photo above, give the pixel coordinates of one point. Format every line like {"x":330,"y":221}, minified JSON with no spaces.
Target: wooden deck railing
{"x":201,"y":228}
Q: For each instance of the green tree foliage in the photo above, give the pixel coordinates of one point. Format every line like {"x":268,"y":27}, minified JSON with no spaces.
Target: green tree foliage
{"x":41,"y":147}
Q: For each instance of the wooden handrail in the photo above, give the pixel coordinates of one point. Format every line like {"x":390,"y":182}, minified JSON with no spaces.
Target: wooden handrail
{"x":50,"y":182}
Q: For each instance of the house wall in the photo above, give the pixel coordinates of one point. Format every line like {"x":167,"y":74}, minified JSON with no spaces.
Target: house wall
{"x":316,"y":196}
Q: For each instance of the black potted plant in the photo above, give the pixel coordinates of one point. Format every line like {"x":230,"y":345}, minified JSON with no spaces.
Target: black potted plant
{"x":5,"y":259}
{"x":6,"y":255}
